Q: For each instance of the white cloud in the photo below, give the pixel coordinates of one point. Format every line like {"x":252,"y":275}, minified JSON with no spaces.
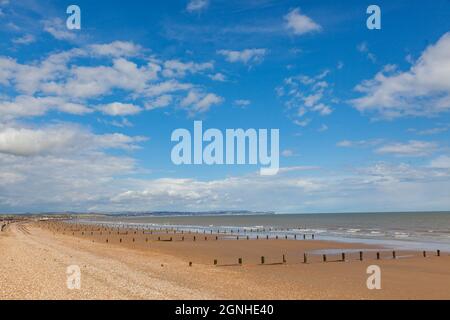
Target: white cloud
{"x":57,"y":28}
{"x":197,"y":5}
{"x":246,"y":56}
{"x":199,"y":102}
{"x":412,"y":148}
{"x":218,"y":77}
{"x":287,"y":153}
{"x":441,"y":162}
{"x":160,"y":102}
{"x":27,"y":106}
{"x":423,"y":90}
{"x":116,"y":49}
{"x":242,"y":102}
{"x":119,"y":109}
{"x":299,"y":23}
{"x":59,"y":140}
{"x":178,"y":69}
{"x":26,"y":39}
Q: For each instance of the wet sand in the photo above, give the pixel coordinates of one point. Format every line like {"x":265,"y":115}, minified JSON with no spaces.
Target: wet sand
{"x":34,"y":259}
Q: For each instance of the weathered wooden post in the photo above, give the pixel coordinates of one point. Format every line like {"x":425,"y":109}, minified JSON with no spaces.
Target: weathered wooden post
{"x":324,"y":257}
{"x":106,"y":240}
{"x":276,"y":237}
{"x":215,"y":262}
{"x":284,"y":258}
{"x":240,"y":261}
{"x":262,"y":260}
{"x":190,"y":263}
{"x":305,"y":258}
{"x":120,"y":240}
{"x":378,"y":256}
{"x":438,"y":253}
{"x":159,"y":238}
{"x":194,"y":238}
{"x":424,"y":254}
{"x":343,"y":256}
{"x":360,"y":256}
{"x":394,"y":255}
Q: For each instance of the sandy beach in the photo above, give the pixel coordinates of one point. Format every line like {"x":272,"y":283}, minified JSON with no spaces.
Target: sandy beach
{"x":35,"y":257}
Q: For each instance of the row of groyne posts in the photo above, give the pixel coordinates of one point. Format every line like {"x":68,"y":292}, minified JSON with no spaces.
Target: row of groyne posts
{"x":87,"y":229}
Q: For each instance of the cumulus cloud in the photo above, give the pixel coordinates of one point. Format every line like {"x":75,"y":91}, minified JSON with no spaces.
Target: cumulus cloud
{"x":198,"y":101}
{"x":63,"y":81}
{"x":60,"y":139}
{"x":299,"y":23}
{"x":116,"y":49}
{"x":29,"y":106}
{"x":57,"y":28}
{"x":119,"y":109}
{"x":423,"y":90}
{"x":303,"y":95}
{"x":178,"y":69}
{"x":246,"y":56}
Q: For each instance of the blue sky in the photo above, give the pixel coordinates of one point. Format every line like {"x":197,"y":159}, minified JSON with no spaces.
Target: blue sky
{"x":86,"y":115}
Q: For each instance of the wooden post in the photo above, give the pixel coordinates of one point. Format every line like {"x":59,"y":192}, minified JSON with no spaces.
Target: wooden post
{"x":438,"y":253}
{"x":194,"y":238}
{"x":257,"y":237}
{"x":324,"y":257}
{"x":313,"y":237}
{"x":182,"y":238}
{"x":215,"y":262}
{"x":190,"y":263}
{"x":343,"y":256}
{"x":284,"y":258}
{"x":276,"y":237}
{"x":247,"y":237}
{"x":267,"y":237}
{"x":240,"y":261}
{"x":305,"y":258}
{"x":106,"y":240}
{"x":237,"y":237}
{"x":120,"y":240}
{"x":424,"y":254}
{"x":170,"y":238}
{"x":262,"y":260}
{"x":394,"y":255}
{"x":304,"y":237}
{"x":159,"y":238}
{"x":360,"y":256}
{"x":378,"y":256}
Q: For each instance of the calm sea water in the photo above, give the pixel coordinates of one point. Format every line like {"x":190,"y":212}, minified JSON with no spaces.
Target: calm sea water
{"x":424,"y":230}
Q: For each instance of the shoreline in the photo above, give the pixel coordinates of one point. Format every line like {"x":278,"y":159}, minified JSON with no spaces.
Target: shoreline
{"x":36,"y":258}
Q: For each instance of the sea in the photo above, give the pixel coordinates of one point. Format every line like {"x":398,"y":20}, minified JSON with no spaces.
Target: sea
{"x":399,"y":230}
